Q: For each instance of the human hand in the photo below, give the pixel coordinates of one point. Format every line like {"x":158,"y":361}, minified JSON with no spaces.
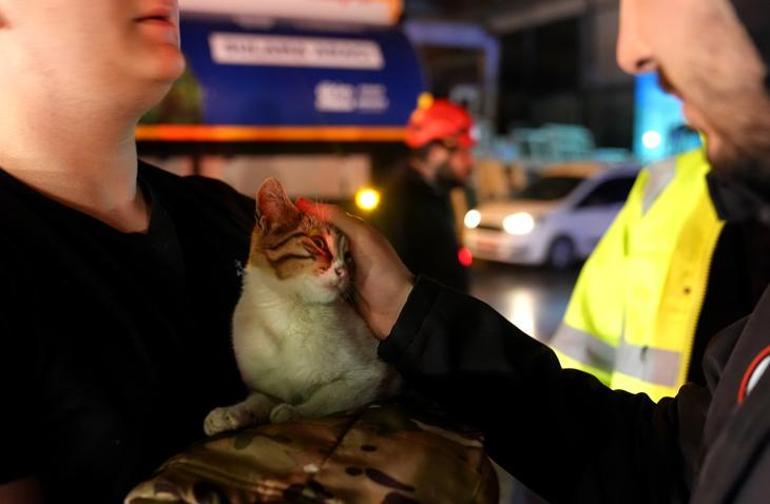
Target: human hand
{"x":382,"y":282}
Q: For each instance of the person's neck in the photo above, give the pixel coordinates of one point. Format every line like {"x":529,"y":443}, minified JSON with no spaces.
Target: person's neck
{"x":84,"y":159}
{"x":426,"y":171}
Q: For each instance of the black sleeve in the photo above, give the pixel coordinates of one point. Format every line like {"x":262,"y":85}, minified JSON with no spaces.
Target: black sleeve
{"x":561,"y":432}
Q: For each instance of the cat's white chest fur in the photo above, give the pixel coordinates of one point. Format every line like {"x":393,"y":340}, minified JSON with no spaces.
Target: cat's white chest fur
{"x":288,"y":349}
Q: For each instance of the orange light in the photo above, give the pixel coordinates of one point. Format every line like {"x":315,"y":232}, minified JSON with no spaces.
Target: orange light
{"x":465,"y":257}
{"x":368,"y":199}
{"x":204,"y":133}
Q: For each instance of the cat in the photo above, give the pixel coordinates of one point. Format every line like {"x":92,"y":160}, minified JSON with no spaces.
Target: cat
{"x":301,"y":347}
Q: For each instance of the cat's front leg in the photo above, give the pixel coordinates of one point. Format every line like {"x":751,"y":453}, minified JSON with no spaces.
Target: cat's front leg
{"x":254,"y":410}
{"x":283,"y":413}
{"x":351,"y":392}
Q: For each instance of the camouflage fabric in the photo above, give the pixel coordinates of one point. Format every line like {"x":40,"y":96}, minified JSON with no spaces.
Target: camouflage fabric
{"x":383,"y":454}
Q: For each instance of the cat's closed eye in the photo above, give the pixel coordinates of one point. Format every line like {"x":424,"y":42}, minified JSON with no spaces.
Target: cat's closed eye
{"x":317,"y":246}
{"x":320,"y":243}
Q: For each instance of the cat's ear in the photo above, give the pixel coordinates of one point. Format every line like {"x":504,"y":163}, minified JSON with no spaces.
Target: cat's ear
{"x":274,"y":208}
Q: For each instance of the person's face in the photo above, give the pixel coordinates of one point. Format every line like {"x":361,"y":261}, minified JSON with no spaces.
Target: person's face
{"x":454,"y":164}
{"x":705,"y":56}
{"x":92,"y":46}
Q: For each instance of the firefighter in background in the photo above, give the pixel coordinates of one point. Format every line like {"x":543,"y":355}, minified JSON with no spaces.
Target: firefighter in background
{"x":416,"y":213}
{"x":661,"y":282}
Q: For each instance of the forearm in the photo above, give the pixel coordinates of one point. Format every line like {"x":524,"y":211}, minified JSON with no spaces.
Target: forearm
{"x":26,"y":491}
{"x":544,"y":424}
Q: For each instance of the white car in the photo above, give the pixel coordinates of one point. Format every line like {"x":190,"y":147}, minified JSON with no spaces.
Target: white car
{"x":557,"y":220}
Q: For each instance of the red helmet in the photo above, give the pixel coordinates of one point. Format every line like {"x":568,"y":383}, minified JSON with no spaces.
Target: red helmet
{"x":439,"y":120}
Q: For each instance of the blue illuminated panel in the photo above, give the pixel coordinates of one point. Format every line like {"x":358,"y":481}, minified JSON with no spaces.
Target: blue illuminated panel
{"x":356,"y":77}
{"x":659,"y":130}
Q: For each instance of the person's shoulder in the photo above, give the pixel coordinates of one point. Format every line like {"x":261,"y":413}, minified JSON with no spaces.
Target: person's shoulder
{"x":407,"y":186}
{"x":203,"y":193}
{"x":191,"y":185}
{"x":23,"y":213}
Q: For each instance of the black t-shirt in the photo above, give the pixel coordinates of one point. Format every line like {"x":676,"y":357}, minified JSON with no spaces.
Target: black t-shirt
{"x":114,"y":346}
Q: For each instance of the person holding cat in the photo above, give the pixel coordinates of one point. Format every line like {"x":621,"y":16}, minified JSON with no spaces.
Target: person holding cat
{"x":561,"y":432}
{"x":118,"y":280}
{"x":416,"y":213}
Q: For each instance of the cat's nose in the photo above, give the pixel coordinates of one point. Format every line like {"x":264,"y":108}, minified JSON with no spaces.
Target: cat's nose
{"x":341,"y":271}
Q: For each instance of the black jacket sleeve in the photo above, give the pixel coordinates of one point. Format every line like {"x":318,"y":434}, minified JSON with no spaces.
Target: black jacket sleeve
{"x":560,"y":432}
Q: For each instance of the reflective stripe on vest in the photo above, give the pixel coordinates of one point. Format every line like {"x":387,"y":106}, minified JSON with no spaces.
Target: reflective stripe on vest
{"x":584,"y":347}
{"x":653,"y":365}
{"x":659,"y":367}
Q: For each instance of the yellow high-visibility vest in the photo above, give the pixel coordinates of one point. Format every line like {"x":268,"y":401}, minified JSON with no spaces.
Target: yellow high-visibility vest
{"x":632,"y":317}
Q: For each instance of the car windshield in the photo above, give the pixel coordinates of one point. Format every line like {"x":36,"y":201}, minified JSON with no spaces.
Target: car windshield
{"x":550,"y":188}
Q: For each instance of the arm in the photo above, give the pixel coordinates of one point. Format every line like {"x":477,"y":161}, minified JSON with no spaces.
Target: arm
{"x":26,"y":491}
{"x":561,"y":432}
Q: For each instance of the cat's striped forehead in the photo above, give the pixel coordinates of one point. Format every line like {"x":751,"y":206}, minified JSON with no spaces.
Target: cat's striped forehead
{"x":310,"y":248}
{"x":307,"y":226}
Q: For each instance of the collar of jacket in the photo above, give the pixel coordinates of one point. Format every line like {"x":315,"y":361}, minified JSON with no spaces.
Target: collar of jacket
{"x":737,"y":202}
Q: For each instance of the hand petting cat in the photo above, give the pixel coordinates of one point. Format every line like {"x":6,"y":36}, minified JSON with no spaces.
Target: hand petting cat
{"x":382,"y":282}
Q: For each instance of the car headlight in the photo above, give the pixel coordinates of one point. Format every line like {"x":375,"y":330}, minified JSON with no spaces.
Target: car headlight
{"x":519,"y":224}
{"x":472,"y":219}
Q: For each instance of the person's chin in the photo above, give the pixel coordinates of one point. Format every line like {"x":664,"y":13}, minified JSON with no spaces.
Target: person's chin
{"x":167,"y":64}
{"x":151,"y":82}
{"x":714,"y":145}
{"x":694,"y":117}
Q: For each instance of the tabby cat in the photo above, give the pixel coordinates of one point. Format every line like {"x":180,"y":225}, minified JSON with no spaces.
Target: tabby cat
{"x":301,"y":347}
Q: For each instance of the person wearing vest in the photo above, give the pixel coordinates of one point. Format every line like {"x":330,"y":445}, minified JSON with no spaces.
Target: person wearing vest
{"x":561,"y":431}
{"x":670,"y":256}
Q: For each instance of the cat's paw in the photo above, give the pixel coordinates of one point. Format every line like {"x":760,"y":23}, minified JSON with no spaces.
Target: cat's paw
{"x":284,"y":413}
{"x":221,"y":420}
